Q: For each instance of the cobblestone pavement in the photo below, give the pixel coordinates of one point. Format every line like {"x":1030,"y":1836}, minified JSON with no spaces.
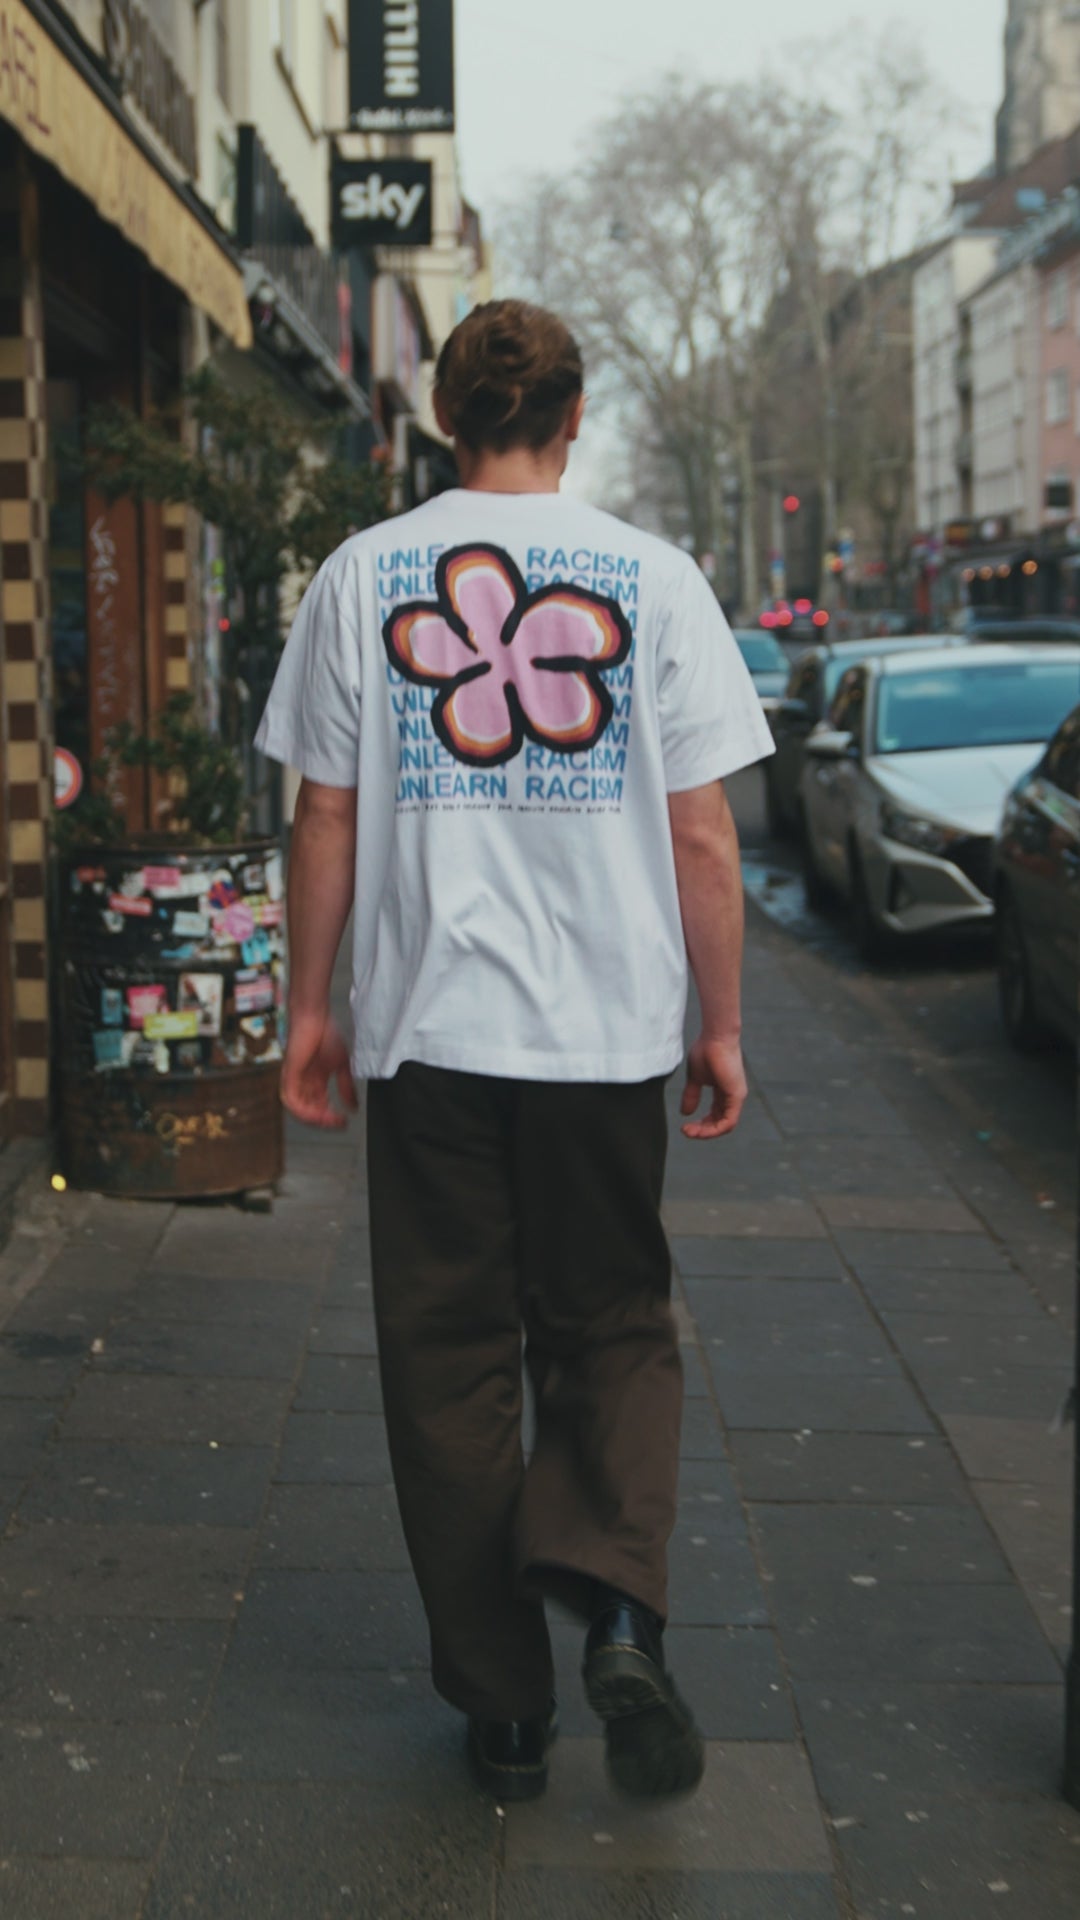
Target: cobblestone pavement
{"x":212,"y":1691}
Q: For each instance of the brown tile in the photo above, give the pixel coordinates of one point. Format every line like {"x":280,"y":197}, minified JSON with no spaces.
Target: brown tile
{"x":19,"y":640}
{"x":15,"y":556}
{"x":22,"y":720}
{"x":27,"y":881}
{"x":14,"y":480}
{"x":29,"y":960}
{"x":24,"y":801}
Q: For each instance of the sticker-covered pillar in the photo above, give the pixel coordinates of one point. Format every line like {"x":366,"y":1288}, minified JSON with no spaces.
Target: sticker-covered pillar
{"x":25,"y":710}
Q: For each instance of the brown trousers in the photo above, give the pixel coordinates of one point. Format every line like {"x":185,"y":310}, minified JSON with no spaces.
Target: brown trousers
{"x":501,"y":1208}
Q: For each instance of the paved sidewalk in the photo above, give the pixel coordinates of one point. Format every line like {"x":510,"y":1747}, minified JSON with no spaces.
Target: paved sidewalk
{"x":212,"y":1691}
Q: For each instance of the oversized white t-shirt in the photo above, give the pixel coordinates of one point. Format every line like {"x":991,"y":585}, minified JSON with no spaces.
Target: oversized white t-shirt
{"x":514,"y":683}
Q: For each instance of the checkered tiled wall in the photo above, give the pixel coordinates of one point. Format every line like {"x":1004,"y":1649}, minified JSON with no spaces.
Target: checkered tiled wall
{"x":175,"y":558}
{"x":24,"y":657}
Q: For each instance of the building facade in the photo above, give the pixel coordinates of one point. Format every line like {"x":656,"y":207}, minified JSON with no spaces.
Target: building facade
{"x":942,"y":282}
{"x":1042,"y":78}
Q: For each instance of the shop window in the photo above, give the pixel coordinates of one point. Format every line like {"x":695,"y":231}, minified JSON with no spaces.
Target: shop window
{"x":1057,"y":397}
{"x":67,"y":571}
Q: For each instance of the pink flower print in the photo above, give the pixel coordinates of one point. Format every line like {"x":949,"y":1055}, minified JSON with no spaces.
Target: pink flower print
{"x":510,"y":665}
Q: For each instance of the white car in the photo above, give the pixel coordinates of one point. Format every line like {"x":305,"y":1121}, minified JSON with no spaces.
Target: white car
{"x":903,"y":783}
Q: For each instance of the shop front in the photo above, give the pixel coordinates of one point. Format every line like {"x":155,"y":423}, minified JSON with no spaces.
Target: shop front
{"x":104,"y":256}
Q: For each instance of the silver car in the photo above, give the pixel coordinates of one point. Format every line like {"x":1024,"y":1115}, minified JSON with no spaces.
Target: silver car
{"x":903,"y":784}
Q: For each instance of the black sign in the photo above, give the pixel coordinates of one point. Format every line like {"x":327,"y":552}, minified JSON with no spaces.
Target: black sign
{"x":381,"y":203}
{"x":401,"y":66}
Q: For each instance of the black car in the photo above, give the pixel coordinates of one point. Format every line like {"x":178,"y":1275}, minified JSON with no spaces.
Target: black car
{"x":812,"y":682}
{"x":1037,"y":859}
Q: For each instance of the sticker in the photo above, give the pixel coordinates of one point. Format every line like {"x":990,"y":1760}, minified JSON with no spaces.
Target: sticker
{"x":112,"y":922}
{"x":223,"y":892}
{"x":189,"y":1055}
{"x":190,"y":886}
{"x":275,"y":884}
{"x":171,"y":1026}
{"x":195,"y":925}
{"x":185,"y":952}
{"x":236,"y":923}
{"x":126,"y":903}
{"x":253,"y":995}
{"x":254,"y":879}
{"x":67,"y":779}
{"x":89,"y":876}
{"x":256,"y":951}
{"x":143,"y":1002}
{"x":272,"y":914}
{"x":203,"y":995}
{"x":161,"y":1051}
{"x":112,"y":1007}
{"x":162,"y":879}
{"x":108,"y":1048}
{"x":132,"y":884}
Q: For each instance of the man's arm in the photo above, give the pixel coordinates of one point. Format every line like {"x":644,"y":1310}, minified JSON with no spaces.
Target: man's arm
{"x":711,"y":901}
{"x":322,"y":873}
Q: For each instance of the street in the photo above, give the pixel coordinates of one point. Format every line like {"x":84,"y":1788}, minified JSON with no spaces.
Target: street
{"x":213,"y":1696}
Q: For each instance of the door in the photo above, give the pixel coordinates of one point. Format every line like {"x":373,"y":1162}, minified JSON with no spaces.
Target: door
{"x":1052,"y":895}
{"x":830,"y":786}
{"x":791,"y":730}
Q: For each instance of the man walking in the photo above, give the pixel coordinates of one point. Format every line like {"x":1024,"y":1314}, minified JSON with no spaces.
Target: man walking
{"x":513,"y":715}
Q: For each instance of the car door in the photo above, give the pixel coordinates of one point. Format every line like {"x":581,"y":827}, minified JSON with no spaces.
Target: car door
{"x":790,"y":729}
{"x":830,"y":789}
{"x":1051,"y":903}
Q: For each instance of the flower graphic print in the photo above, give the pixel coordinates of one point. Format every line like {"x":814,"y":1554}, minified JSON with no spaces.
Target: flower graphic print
{"x":510,"y":665}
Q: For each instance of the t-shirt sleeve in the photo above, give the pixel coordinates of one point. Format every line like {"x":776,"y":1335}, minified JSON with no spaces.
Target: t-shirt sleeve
{"x":312,"y":718}
{"x":711,"y":722}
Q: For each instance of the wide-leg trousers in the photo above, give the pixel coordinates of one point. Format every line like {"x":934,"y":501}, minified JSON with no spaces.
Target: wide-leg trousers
{"x":503,"y":1212}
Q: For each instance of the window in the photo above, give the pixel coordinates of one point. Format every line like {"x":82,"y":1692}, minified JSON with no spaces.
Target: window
{"x":1057,"y":397}
{"x":805,"y":684}
{"x":846,"y":712}
{"x":1057,"y":299}
{"x":1062,"y":763}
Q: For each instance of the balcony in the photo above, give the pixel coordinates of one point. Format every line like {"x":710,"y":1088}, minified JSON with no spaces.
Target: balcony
{"x":962,"y":370}
{"x":963,"y":451}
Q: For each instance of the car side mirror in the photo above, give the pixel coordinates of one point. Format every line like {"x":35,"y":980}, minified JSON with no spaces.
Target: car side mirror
{"x":832,"y":745}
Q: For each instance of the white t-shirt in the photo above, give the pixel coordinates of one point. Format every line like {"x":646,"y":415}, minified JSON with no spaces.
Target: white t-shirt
{"x":514,"y":683}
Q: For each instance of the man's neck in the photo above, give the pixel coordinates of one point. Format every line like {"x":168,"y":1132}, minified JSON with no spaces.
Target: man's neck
{"x":520,"y":470}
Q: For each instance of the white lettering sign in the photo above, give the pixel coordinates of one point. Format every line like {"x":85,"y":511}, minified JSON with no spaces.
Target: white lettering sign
{"x":376,"y":199}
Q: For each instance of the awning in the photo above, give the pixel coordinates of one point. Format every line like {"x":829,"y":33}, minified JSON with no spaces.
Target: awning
{"x":63,"y":118}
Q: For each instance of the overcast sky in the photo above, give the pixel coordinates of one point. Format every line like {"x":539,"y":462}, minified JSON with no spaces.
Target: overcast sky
{"x":534,"y":74}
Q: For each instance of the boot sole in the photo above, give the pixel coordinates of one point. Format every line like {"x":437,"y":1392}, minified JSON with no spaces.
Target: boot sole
{"x":653,"y":1747}
{"x":509,"y":1783}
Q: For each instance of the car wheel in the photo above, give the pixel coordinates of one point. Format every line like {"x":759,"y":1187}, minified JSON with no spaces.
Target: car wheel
{"x":816,"y":889}
{"x":1019,"y":1013}
{"x":873,"y":940}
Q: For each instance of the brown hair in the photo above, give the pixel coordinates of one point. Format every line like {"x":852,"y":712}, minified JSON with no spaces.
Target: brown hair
{"x":508,"y":375}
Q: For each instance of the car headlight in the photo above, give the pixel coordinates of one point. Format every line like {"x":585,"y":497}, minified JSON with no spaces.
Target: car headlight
{"x":914,"y":830}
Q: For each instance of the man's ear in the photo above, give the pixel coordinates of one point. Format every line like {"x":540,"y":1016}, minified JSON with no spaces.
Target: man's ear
{"x":445,"y":423}
{"x":575,"y":417}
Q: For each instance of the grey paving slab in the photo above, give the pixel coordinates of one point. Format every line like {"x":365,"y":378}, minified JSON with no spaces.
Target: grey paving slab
{"x":247,"y":1246}
{"x":553,"y":1893}
{"x":40,"y":1366}
{"x":755,"y":1811}
{"x":838,"y":1163}
{"x":208,"y":1351}
{"x":843,"y":1403}
{"x":824,"y":1349}
{"x":335,"y":1448}
{"x":70,"y":1312}
{"x":945,"y":1291}
{"x":841,"y":1106}
{"x":339,"y":1383}
{"x":969,"y":1860}
{"x":976,"y":1341}
{"x":882,"y":1467}
{"x":930,"y":1213}
{"x":696,"y":1382}
{"x":335,"y":1621}
{"x":63,"y":1889}
{"x":342,"y":1330}
{"x":108,"y":1669}
{"x":280,"y":1725}
{"x":9,"y":1495}
{"x":731,"y":1676}
{"x":996,"y":1449}
{"x":762,"y":1258}
{"x":218,"y":1299}
{"x":775,"y":1306}
{"x":279,"y":1852}
{"x":896,"y":1747}
{"x":171,"y":1573}
{"x":101,"y":1482}
{"x":960,"y":1252}
{"x":25,"y":1426}
{"x":333,"y":1527}
{"x":986,"y":1635}
{"x":806,"y":1547}
{"x":347,"y":1288}
{"x":1035,"y":1527}
{"x":1009,"y":1392}
{"x":701,"y":1437}
{"x":87,"y":1789}
{"x":87,"y":1270}
{"x":778,"y":1219}
{"x":712,"y":1576}
{"x":174,"y":1410}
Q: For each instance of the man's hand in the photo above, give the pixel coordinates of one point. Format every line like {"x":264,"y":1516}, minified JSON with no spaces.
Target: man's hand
{"x":315,"y":1054}
{"x":717,"y":1064}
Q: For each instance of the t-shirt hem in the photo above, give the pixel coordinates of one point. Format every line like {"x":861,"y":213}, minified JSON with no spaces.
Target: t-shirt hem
{"x":520,"y":1063}
{"x":720,"y":766}
{"x":289,"y":752}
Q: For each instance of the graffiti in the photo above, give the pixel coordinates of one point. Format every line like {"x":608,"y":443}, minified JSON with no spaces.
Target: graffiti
{"x":185,"y":1130}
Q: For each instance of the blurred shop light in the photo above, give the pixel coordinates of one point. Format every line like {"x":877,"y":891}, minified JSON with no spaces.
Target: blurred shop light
{"x":1030,"y":566}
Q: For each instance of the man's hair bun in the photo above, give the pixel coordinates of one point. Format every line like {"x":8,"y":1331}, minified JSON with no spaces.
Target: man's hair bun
{"x":508,"y":375}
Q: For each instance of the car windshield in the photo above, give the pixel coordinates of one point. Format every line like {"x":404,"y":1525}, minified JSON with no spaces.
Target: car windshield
{"x":974,"y":706}
{"x":762,"y":653}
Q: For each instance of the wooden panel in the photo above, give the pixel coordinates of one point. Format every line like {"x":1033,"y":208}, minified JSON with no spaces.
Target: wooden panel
{"x":114,"y":630}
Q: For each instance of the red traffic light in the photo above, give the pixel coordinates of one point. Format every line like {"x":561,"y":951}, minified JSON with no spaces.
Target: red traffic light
{"x":792,"y":503}
{"x":821,"y":618}
{"x":804,"y":606}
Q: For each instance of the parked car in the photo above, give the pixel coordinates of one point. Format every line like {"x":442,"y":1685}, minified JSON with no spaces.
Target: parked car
{"x":811,"y":688}
{"x":766,"y":660}
{"x":902,"y":788}
{"x":1037,"y":893}
{"x":1040,"y":631}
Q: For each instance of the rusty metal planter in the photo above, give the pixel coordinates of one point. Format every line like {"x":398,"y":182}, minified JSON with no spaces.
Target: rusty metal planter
{"x":172,"y":1015}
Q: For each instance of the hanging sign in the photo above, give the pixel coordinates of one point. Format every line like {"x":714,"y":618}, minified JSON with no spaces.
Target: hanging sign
{"x":381,"y":203}
{"x":401,"y":66}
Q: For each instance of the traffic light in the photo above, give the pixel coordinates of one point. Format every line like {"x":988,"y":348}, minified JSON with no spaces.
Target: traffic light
{"x":792,"y":503}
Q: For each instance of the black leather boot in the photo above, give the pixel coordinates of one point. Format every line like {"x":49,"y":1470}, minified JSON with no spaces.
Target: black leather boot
{"x":653,"y":1746}
{"x":509,"y":1757}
